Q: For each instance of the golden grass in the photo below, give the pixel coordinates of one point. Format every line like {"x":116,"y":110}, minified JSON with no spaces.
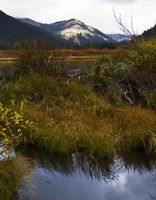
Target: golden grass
{"x":11,"y":175}
{"x":69,"y":118}
{"x":137,"y":128}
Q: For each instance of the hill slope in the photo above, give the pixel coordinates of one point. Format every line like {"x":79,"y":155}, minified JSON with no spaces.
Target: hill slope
{"x":12,"y":30}
{"x":150,"y":33}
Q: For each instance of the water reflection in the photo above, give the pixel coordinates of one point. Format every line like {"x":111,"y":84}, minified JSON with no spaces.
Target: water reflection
{"x":78,"y":177}
{"x":139,"y":162}
{"x":6,"y":153}
{"x":92,"y":168}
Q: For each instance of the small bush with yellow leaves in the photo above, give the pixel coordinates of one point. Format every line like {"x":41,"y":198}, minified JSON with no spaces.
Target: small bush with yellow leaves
{"x":13,"y":127}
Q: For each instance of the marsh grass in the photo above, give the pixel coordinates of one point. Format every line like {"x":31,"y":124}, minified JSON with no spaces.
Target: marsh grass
{"x":11,"y":175}
{"x":70,"y":128}
{"x":137,"y":128}
{"x":68,"y":118}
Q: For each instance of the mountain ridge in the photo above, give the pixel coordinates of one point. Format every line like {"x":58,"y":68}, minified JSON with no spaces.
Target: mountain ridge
{"x":119,"y":37}
{"x":73,"y":30}
{"x":67,"y":33}
{"x":150,"y":33}
{"x":12,"y":30}
{"x":63,"y":29}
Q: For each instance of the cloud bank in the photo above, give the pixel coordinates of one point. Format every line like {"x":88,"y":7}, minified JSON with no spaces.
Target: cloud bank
{"x":97,"y":13}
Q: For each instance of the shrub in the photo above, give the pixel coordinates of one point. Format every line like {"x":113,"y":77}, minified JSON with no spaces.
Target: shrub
{"x":114,"y":80}
{"x":144,"y":64}
{"x":35,"y":59}
{"x":149,"y":98}
{"x":144,"y":57}
{"x":12,"y":128}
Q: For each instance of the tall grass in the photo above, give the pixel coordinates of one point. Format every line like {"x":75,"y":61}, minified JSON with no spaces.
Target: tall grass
{"x":72,"y":117}
{"x":11,"y":175}
{"x":66,"y":120}
{"x":137,"y":128}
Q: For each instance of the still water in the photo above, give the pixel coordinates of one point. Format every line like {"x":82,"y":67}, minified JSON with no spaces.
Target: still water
{"x":77,"y":177}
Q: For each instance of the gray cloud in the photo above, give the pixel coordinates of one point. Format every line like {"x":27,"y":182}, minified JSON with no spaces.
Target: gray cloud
{"x":119,"y":1}
{"x":97,"y":13}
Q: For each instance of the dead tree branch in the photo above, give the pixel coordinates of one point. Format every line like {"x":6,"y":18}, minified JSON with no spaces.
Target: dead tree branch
{"x":129,"y":32}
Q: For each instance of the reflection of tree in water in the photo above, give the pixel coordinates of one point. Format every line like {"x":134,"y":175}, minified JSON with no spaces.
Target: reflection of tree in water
{"x":139,"y":162}
{"x":92,"y":168}
{"x":100,"y":169}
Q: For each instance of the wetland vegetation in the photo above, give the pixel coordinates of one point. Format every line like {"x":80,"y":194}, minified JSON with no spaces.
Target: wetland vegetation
{"x":106,"y":111}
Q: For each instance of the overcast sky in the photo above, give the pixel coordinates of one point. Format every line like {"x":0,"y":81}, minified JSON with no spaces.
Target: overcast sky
{"x":97,"y":13}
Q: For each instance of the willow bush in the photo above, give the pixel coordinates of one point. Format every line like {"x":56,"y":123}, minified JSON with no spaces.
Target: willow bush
{"x":33,"y":58}
{"x":13,"y":127}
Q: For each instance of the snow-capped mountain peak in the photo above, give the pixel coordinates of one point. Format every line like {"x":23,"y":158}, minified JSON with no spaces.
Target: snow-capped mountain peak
{"x":72,"y":22}
{"x":78,"y":32}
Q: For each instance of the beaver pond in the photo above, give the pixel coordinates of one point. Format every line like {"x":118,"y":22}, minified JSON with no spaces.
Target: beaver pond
{"x":79,"y":177}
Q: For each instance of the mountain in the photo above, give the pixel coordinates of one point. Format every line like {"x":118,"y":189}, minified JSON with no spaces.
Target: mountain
{"x":150,"y":33}
{"x":78,"y":32}
{"x":12,"y":30}
{"x":119,"y":37}
{"x":31,"y":22}
{"x":73,"y":31}
{"x":69,"y":33}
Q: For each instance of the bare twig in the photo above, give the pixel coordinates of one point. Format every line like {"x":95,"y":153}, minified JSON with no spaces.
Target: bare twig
{"x":131,"y":33}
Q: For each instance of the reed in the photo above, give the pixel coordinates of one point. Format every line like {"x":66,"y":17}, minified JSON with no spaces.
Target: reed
{"x":12,"y":172}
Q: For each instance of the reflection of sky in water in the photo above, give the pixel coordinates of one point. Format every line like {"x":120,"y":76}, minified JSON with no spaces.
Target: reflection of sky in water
{"x":5,"y":154}
{"x":129,"y":185}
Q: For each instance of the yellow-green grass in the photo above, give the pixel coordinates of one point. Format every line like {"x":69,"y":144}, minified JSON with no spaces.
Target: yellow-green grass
{"x":137,"y":128}
{"x":64,"y":130}
{"x":7,"y":59}
{"x":72,"y":58}
{"x":85,"y":57}
{"x":12,"y":172}
{"x":68,"y":118}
